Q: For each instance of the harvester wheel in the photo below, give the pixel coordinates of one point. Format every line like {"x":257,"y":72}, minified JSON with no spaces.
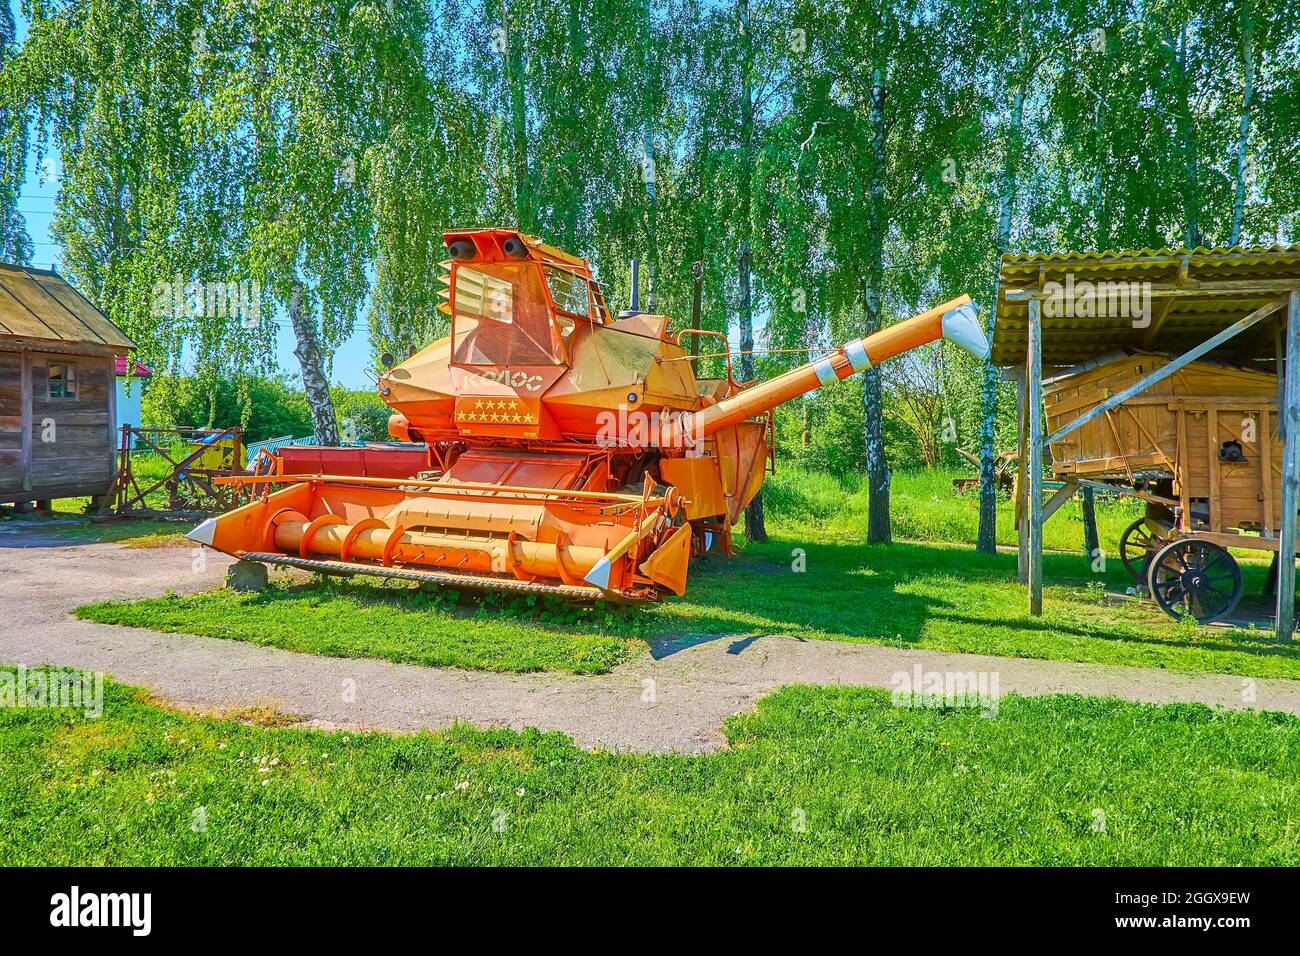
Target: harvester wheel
{"x":1195,"y":577}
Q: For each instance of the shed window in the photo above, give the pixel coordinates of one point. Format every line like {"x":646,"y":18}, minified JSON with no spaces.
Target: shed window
{"x":63,"y":381}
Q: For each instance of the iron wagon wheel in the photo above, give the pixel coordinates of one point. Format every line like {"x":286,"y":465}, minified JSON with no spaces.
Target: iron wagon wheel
{"x":1191,"y":576}
{"x":1136,"y":546}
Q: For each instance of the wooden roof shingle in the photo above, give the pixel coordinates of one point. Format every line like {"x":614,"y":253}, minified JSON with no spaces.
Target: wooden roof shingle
{"x":39,"y":305}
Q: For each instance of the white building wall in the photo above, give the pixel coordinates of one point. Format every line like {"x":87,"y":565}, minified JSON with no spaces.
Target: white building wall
{"x":128,"y":402}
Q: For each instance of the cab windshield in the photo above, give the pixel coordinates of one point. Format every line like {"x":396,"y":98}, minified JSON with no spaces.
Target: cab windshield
{"x":501,"y":316}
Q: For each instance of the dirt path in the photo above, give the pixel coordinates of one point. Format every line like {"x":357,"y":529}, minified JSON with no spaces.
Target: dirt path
{"x":695,"y":685}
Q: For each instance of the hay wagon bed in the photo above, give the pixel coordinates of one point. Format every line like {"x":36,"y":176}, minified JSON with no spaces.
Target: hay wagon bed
{"x":1199,"y":447}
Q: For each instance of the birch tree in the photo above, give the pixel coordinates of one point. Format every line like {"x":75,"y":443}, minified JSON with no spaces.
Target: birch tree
{"x":15,"y":243}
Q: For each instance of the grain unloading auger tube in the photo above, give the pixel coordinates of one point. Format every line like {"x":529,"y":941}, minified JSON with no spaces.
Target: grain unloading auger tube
{"x":526,"y":527}
{"x":955,"y":320}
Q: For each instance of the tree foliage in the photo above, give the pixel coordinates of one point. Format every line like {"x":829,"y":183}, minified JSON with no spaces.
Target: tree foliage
{"x":831,"y":164}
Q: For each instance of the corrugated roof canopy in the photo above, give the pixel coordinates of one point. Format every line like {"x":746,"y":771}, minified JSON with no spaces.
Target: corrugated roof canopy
{"x":39,"y":304}
{"x":1192,"y":294}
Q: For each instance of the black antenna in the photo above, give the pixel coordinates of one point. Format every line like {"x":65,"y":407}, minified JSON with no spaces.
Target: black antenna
{"x":636,"y":276}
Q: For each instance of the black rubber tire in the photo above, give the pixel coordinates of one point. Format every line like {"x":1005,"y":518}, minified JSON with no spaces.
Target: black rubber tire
{"x":1191,"y":576}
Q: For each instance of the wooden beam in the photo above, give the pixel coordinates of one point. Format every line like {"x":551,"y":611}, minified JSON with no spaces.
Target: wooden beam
{"x":1165,"y":308}
{"x":1063,"y":494}
{"x":1265,"y":434}
{"x":1192,"y":287}
{"x":1290,"y":414}
{"x":1187,"y":358}
{"x":1184,"y":492}
{"x":1212,"y":451}
{"x":1034,"y":394}
{"x":1279,"y":369}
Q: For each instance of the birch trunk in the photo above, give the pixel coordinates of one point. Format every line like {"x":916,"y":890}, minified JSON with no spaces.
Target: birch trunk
{"x":652,"y":213}
{"x":576,"y":52}
{"x":1188,"y":145}
{"x":878,"y":524}
{"x":518,"y":125}
{"x":1243,"y":128}
{"x":312,"y":362}
{"x":987,"y":539}
{"x":755,"y":527}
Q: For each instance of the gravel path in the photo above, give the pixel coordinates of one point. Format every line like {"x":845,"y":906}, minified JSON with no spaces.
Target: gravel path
{"x":673,"y":699}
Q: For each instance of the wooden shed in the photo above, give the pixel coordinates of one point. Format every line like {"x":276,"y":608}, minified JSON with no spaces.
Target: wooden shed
{"x":1164,"y":373}
{"x":57,"y":388}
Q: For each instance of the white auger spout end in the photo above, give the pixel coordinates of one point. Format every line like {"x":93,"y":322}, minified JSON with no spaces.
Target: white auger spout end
{"x":962,"y":326}
{"x":598,"y":576}
{"x":205,"y":532}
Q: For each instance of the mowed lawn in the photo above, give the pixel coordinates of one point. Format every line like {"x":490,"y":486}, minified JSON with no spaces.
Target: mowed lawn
{"x":813,"y":579}
{"x":397,"y":623}
{"x":829,"y":776}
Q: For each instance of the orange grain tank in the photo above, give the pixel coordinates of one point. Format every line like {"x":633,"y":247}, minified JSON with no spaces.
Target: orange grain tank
{"x":571,"y":452}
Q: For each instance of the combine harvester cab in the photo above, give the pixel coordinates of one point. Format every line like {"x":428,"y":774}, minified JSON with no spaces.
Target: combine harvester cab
{"x":570,"y":451}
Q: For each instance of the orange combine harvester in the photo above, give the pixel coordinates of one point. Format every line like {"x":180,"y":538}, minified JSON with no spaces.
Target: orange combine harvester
{"x":569,"y":451}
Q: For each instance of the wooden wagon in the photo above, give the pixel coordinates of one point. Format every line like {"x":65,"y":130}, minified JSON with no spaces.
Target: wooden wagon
{"x":1199,"y":447}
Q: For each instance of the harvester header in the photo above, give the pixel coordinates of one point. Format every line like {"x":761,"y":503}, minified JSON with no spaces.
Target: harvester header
{"x":569,"y":451}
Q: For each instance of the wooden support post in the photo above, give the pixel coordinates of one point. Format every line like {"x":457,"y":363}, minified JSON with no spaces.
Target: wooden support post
{"x":1022,"y":488}
{"x":1090,"y":540}
{"x":1265,"y":446}
{"x":1289,"y":417}
{"x":1212,"y":454}
{"x":1279,"y":369}
{"x":1034,"y":467}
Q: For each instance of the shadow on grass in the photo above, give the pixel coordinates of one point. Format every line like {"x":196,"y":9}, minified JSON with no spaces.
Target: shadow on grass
{"x":867,"y":592}
{"x":63,"y":530}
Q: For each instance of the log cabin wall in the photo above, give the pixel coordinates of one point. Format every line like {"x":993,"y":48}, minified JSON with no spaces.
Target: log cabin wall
{"x":12,"y":421}
{"x":56,"y":424}
{"x":72,"y":421}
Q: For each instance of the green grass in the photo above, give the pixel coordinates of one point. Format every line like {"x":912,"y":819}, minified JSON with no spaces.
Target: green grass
{"x":946,"y":597}
{"x":939,"y":596}
{"x":1047,"y":781}
{"x":924,"y":507}
{"x":396,"y":623}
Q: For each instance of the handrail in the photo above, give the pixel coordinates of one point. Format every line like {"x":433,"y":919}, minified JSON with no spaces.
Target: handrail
{"x":731,"y":380}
